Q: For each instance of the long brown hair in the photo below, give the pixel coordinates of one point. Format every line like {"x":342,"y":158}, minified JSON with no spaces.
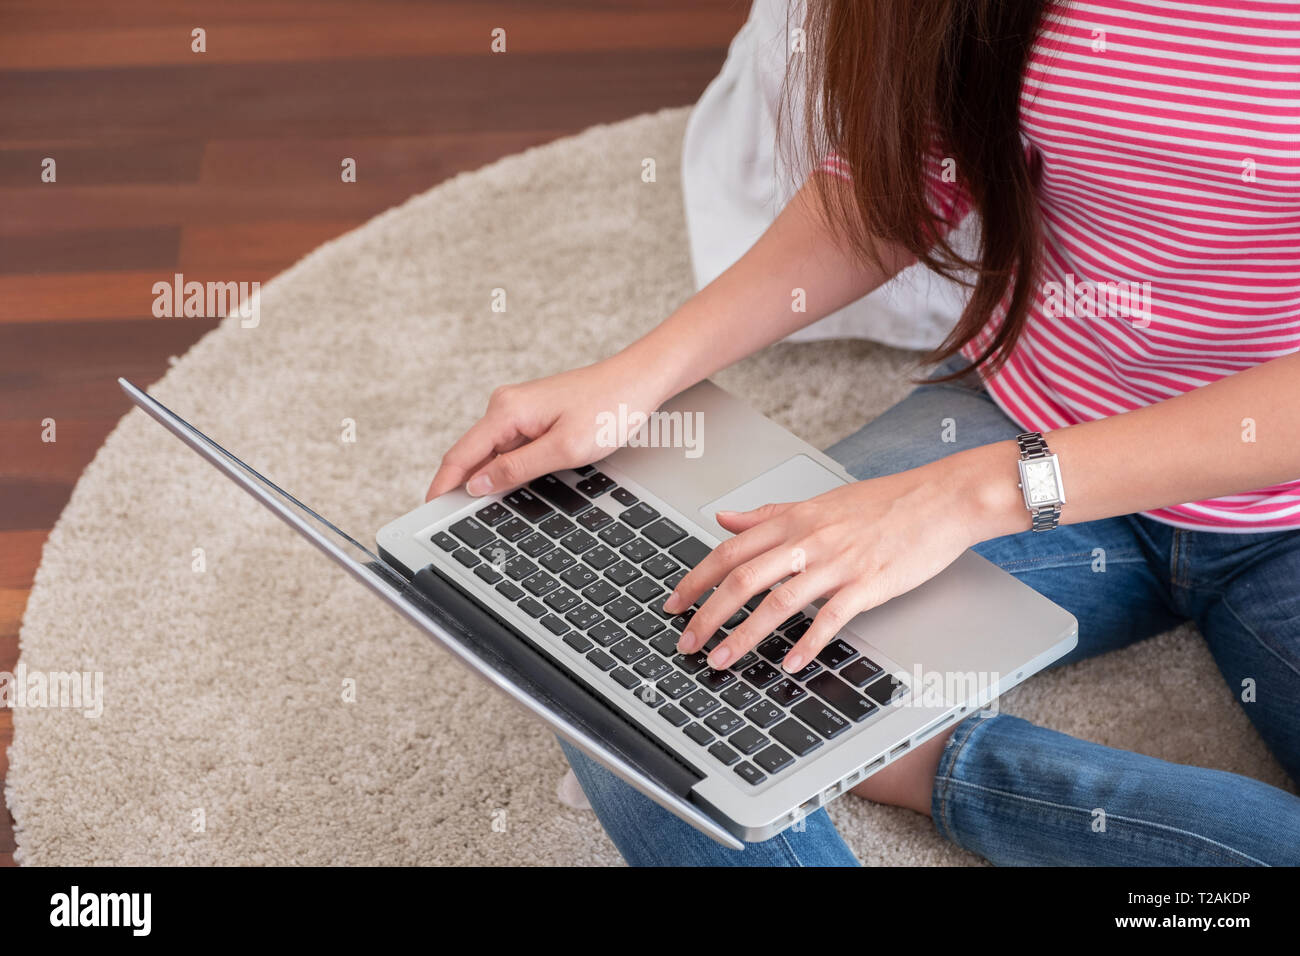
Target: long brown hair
{"x":892,"y":86}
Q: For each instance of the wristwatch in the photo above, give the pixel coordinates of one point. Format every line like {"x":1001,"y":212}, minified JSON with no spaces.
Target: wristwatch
{"x":1040,"y":481}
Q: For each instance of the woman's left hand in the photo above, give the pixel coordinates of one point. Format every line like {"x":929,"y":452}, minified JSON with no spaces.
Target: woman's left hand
{"x":858,"y":546}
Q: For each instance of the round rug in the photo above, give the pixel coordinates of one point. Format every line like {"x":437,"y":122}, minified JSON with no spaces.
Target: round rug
{"x":229,"y":734}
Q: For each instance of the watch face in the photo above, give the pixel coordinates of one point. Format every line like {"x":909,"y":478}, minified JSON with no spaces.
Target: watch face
{"x":1040,"y":482}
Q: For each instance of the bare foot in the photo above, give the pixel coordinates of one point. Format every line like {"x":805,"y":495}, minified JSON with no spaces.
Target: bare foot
{"x":909,"y":781}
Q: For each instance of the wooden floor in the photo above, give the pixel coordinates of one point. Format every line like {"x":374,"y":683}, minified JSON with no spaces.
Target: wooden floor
{"x":224,"y":165}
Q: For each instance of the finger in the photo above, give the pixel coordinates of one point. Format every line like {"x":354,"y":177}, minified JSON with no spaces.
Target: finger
{"x":741,"y":583}
{"x":719,"y":562}
{"x":470,"y":451}
{"x":843,"y":606}
{"x":500,"y":449}
{"x":530,"y":460}
{"x":738,"y":521}
{"x":785,"y":600}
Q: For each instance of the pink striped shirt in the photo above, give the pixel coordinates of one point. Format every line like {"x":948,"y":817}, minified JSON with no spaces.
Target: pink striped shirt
{"x":1168,"y":138}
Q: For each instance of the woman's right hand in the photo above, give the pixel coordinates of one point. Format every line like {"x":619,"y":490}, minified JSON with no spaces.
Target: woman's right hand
{"x":545,"y":425}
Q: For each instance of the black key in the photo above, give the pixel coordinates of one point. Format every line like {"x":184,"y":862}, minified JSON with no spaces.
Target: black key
{"x":472,"y":532}
{"x":584,"y":469}
{"x":532,"y":608}
{"x":645,"y":626}
{"x":698,"y":734}
{"x":445,"y":541}
{"x":660,"y":566}
{"x":554,"y":624}
{"x":747,"y":740}
{"x":764,"y":713}
{"x":657,"y":605}
{"x":791,"y":621}
{"x":796,"y":737}
{"x":760,"y":674}
{"x":511,"y":592}
{"x":717,"y":638}
{"x":600,"y":557}
{"x":527,"y":505}
{"x":512,"y":529}
{"x":637,"y":550}
{"x":649,"y":696}
{"x":578,"y":541}
{"x":663,"y":533}
{"x":798,"y":630}
{"x":690,"y":552}
{"x":556,"y":560}
{"x":466,"y":557}
{"x":803,"y":673}
{"x":558,"y":494}
{"x":584,"y":616}
{"x":691,"y":663}
{"x":622,"y":573}
{"x":485,"y":572}
{"x":601,"y":659}
{"x":739,"y":695}
{"x":681,"y":620}
{"x":561,"y":600}
{"x":699,"y":601}
{"x":673,"y":715}
{"x":774,"y":649}
{"x":676,"y":685}
{"x":842,"y":697}
{"x":652,"y":667}
{"x":736,"y":619}
{"x":820,"y":718}
{"x":715,"y":680}
{"x":622,"y":610}
{"x":639,"y":515}
{"x":860,"y":672}
{"x":835,"y":653}
{"x":623,"y":497}
{"x":629,"y":649}
{"x":518,"y":568}
{"x":593,"y":519}
{"x":600,"y":593}
{"x":699,"y":703}
{"x":577,"y":642}
{"x":773,"y":759}
{"x":885,"y":689}
{"x":665,"y":642}
{"x":785,"y":692}
{"x":580,"y":576}
{"x":493,"y":514}
{"x":606,"y":633}
{"x":539,"y":584}
{"x":535,"y":544}
{"x":674,"y":579}
{"x":497,"y":552}
{"x":753,"y":603}
{"x":724,"y":722}
{"x":616,"y":534}
{"x":644,"y":589}
{"x":724,"y":753}
{"x":749,"y":773}
{"x":595,"y":484}
{"x":745,"y":660}
{"x":625,"y":677}
{"x":555,"y":525}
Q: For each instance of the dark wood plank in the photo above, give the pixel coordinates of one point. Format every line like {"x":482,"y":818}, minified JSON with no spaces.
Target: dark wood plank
{"x":79,"y":250}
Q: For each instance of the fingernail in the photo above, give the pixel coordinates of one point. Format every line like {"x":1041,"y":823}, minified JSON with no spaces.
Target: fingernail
{"x":670,"y":605}
{"x":719,"y":658}
{"x":687,"y":643}
{"x":793,"y":663}
{"x":479,"y":485}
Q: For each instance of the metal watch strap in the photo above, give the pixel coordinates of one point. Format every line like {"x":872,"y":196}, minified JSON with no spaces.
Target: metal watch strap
{"x":1045,"y":517}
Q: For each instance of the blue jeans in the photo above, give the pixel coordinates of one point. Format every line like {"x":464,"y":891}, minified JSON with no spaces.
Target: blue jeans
{"x":1016,"y":793}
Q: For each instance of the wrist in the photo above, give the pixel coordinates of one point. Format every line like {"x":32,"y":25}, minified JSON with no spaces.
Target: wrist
{"x":984,"y":484}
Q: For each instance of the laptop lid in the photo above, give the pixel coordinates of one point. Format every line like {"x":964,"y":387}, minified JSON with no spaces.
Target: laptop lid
{"x":478,"y":640}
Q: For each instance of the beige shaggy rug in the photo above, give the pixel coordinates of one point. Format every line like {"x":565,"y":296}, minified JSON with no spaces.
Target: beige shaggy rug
{"x":225,"y":737}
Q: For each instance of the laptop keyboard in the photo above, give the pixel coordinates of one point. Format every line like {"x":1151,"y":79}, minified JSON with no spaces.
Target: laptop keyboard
{"x":592,"y":564}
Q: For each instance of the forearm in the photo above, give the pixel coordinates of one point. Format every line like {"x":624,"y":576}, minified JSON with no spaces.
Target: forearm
{"x":795,"y":274}
{"x":1234,"y":435}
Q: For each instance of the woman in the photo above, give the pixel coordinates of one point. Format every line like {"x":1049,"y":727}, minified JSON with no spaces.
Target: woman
{"x":1136,"y":301}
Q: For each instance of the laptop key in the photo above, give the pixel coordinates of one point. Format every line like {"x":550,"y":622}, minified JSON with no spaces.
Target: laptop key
{"x":555,"y":525}
{"x":664,"y":533}
{"x":837,"y":652}
{"x":644,"y":589}
{"x":629,"y":649}
{"x":584,"y":470}
{"x":578,"y":541}
{"x":860,"y":673}
{"x":785,"y":692}
{"x":558,"y":494}
{"x":753,"y":603}
{"x":583,"y":616}
{"x":616,"y":534}
{"x":739,"y":696}
{"x":760,"y":674}
{"x":691,"y":663}
{"x":625,"y":678}
{"x":791,"y":621}
{"x":652,"y":667}
{"x":795,"y":737}
{"x":606,"y":633}
{"x":674,"y":715}
{"x":498,"y":552}
{"x":681,"y":620}
{"x":557,"y":560}
{"x":646,"y":626}
{"x":715,"y":680}
{"x":736,"y":619}
{"x":595,"y":484}
{"x":466,"y":557}
{"x":660,"y":566}
{"x":593,"y":519}
{"x":527,"y":505}
{"x":774,"y":649}
{"x":577,"y":642}
{"x":724,"y":753}
{"x":665,"y":642}
{"x":509,"y":591}
{"x":724,"y":722}
{"x":601,"y":659}
{"x":554,"y":624}
{"x":485,"y":572}
{"x":535,"y":545}
{"x":764,"y":714}
{"x":807,"y":671}
{"x":492,"y":514}
{"x":445,"y":541}
{"x":600,"y":592}
{"x":623,"y":497}
{"x":532,"y":608}
{"x":747,"y":740}
{"x":623,"y":573}
{"x":600,"y":557}
{"x":518,"y":568}
{"x":842,"y":697}
{"x":623,"y":609}
{"x":698,"y":734}
{"x":539,"y":584}
{"x":676,"y":685}
{"x":820,"y":718}
{"x":562,"y":600}
{"x":798,"y":630}
{"x":579,"y":576}
{"x":749,"y":773}
{"x":745,"y":660}
{"x":773,"y":759}
{"x":886,"y":689}
{"x":639,"y":515}
{"x":512,"y":529}
{"x":699,"y":703}
{"x":690,"y":551}
{"x":637,"y":550}
{"x":674,"y":579}
{"x":472,"y":532}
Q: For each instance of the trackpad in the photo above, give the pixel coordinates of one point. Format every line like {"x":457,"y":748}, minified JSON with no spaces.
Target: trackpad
{"x":795,"y":479}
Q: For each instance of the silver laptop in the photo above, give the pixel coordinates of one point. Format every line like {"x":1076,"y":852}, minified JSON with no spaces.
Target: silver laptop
{"x":553,"y":594}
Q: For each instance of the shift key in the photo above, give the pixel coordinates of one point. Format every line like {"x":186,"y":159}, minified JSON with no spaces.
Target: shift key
{"x":841,"y":696}
{"x":559,"y":494}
